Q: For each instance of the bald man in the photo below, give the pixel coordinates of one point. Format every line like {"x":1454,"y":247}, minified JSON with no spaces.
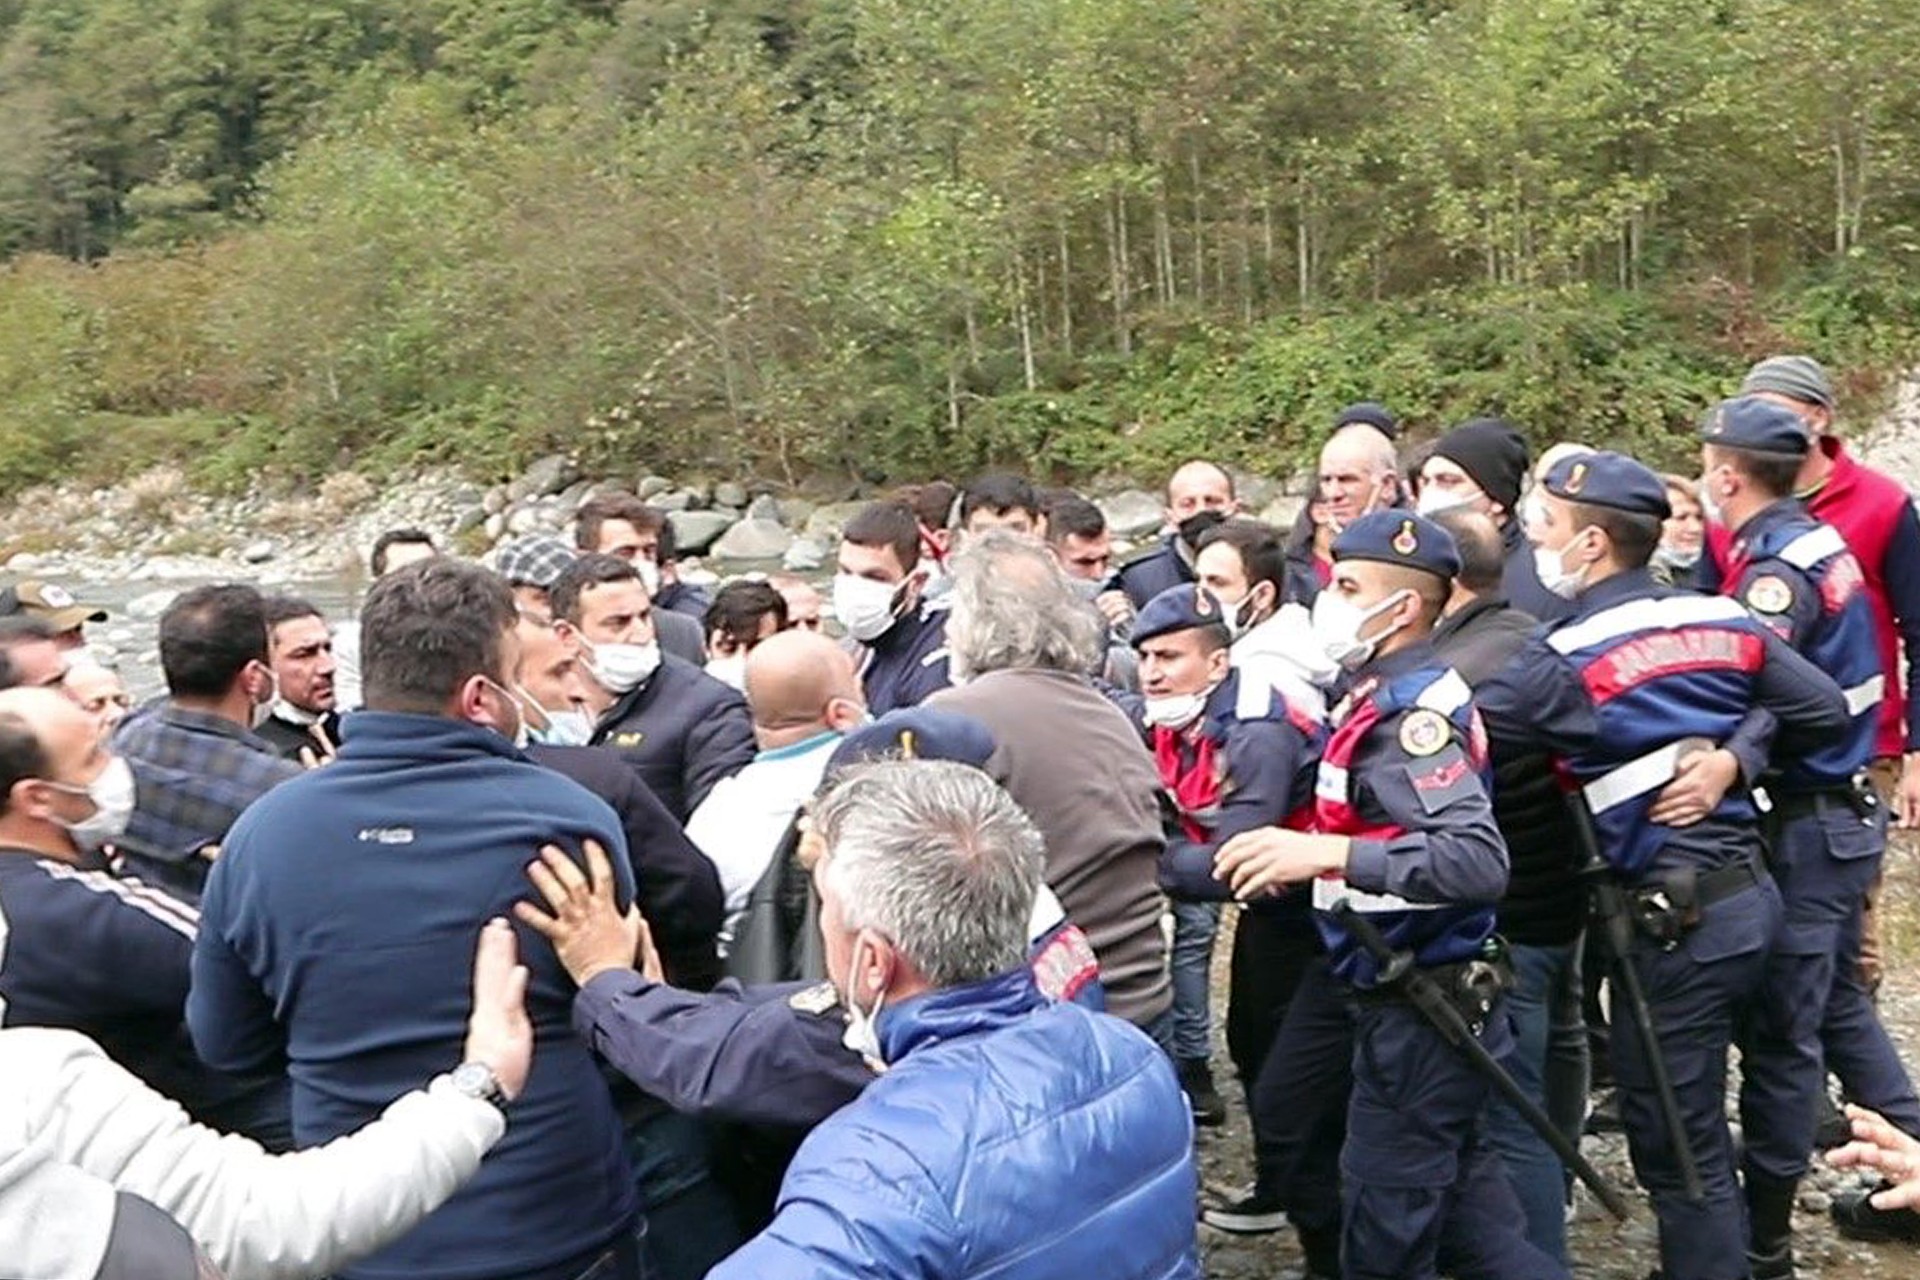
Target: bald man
{"x":90,"y":952}
{"x":1359,"y":472}
{"x":804,"y":695}
{"x":1199,"y":496}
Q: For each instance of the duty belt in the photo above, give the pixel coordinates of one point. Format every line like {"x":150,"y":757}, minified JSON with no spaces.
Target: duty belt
{"x":1472,"y":986}
{"x":1668,"y":906}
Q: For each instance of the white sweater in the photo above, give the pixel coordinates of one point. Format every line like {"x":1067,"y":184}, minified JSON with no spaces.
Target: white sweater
{"x":76,"y":1127}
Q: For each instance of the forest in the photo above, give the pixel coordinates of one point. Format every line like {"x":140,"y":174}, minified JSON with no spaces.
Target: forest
{"x":877,"y":240}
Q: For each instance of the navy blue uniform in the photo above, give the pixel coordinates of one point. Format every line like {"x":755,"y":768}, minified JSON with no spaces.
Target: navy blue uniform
{"x":1146,"y":576}
{"x":1828,"y":834}
{"x":907,"y":664}
{"x":1616,"y":692}
{"x":1403,"y":775}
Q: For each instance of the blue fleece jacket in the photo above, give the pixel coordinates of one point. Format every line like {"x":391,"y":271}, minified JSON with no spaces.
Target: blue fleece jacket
{"x":337,"y":933}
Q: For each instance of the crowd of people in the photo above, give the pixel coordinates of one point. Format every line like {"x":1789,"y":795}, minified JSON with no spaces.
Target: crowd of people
{"x":556,"y":918}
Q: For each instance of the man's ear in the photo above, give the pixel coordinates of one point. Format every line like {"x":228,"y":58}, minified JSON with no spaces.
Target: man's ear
{"x":1219,"y":662}
{"x":28,"y":798}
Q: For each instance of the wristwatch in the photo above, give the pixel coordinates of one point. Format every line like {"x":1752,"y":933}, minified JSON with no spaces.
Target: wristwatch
{"x":476,"y":1080}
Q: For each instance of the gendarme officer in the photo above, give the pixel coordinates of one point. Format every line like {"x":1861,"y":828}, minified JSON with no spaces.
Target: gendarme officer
{"x":1404,"y":835}
{"x":1660,"y":705}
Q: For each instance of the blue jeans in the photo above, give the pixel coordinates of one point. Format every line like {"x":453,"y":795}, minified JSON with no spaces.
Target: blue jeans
{"x":1549,"y":1063}
{"x":1194,"y":924}
{"x":689,"y":1223}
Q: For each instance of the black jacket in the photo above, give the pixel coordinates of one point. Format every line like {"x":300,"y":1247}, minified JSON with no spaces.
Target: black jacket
{"x":683,"y":730}
{"x":677,"y":886}
{"x":290,"y":739}
{"x":1544,"y":905}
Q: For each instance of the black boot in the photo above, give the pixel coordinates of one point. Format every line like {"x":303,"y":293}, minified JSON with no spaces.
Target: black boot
{"x":1770,"y":1227}
{"x":1322,"y":1247}
{"x":1196,"y":1079}
{"x":1857,"y":1219}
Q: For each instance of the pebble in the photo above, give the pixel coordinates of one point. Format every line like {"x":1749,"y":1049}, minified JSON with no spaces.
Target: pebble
{"x":257,"y":552}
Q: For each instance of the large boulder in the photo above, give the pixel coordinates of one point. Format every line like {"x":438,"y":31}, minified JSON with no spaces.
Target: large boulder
{"x":729,"y":494}
{"x":651,"y":487}
{"x":753,"y":539}
{"x":695,"y":531}
{"x":550,"y":474}
{"x":824,"y":525}
{"x":804,"y":556}
{"x":766,"y":507}
{"x":1133,"y":513}
{"x":1254,"y":492}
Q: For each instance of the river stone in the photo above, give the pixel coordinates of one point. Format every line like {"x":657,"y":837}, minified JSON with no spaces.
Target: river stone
{"x":575,"y":494}
{"x":550,"y":474}
{"x":24,"y":562}
{"x":1282,"y":511}
{"x":150,"y":605}
{"x":1253,"y":492}
{"x":695,"y":531}
{"x":825,"y":524}
{"x":673,"y":500}
{"x":495,"y":527}
{"x":257,"y":552}
{"x":1132,"y":513}
{"x":753,"y":539}
{"x":524,"y":520}
{"x":766,"y":507}
{"x":471,"y":518}
{"x":651,"y":487}
{"x":804,"y":556}
{"x":729,"y":494}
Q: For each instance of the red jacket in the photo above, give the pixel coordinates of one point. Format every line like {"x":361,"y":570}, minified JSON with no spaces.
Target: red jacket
{"x":1875,"y":514}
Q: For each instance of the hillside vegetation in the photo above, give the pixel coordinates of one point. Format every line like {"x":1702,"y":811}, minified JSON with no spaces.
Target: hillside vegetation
{"x":881,"y":239}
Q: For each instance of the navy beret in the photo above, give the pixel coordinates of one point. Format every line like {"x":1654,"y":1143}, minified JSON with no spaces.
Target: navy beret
{"x":1399,"y":538}
{"x":1608,"y":479}
{"x":916,"y":733}
{"x":1180,"y":608}
{"x":1753,"y":425}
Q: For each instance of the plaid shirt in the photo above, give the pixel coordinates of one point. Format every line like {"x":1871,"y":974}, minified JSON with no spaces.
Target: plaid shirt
{"x":193,"y":774}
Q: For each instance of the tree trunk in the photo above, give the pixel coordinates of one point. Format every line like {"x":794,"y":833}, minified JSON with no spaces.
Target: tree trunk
{"x":1066,"y":290}
{"x":1199,"y":233}
{"x":1026,"y":321}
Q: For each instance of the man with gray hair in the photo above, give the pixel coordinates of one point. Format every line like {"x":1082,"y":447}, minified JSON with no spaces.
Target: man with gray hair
{"x":990,"y":1093}
{"x":1022,"y":642}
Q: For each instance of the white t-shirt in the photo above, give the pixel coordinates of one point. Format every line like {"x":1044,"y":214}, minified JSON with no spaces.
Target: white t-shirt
{"x":740,"y":823}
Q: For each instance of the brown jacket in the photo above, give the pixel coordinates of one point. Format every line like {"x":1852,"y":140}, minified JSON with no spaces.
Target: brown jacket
{"x":1071,"y":760}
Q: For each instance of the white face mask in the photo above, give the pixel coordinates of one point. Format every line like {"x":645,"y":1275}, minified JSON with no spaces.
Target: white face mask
{"x":862,"y":1035}
{"x":1176,"y":710}
{"x":649,"y":575}
{"x":1337,"y":623}
{"x":1550,"y":567}
{"x":864,"y":607}
{"x":1433,"y":501}
{"x":1674,"y":558}
{"x":622,"y":668}
{"x":730,"y":670}
{"x":112,"y":797}
{"x":1088,"y":589}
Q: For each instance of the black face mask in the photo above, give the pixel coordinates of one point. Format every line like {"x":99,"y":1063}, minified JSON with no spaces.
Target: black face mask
{"x":1195,"y":526}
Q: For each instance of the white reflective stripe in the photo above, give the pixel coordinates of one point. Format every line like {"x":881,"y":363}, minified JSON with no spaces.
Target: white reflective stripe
{"x":1253,"y":699}
{"x":1446,"y":695}
{"x":1866,"y":695}
{"x":1635,"y":778}
{"x":165,"y":908}
{"x":1330,"y":783}
{"x":1813,"y":546}
{"x":938,"y":655}
{"x":1646,"y":615}
{"x":1330,"y":891}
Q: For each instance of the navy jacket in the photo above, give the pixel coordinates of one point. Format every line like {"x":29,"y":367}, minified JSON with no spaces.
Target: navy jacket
{"x":1146,"y":576}
{"x":907,"y":664}
{"x":684,"y":599}
{"x":678,"y":887}
{"x":110,"y":958}
{"x":1641,"y":670}
{"x":683,"y":730}
{"x":337,"y":934}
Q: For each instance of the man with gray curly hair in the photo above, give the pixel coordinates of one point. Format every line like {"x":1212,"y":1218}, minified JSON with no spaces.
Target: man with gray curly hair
{"x":989,"y":1092}
{"x":1023,"y":642}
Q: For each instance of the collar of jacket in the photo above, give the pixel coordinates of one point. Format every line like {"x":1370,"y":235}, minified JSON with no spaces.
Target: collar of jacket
{"x":974,"y":1009}
{"x":1774,"y":513}
{"x":1468,"y":614}
{"x":416,"y":739}
{"x":1630,"y":585}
